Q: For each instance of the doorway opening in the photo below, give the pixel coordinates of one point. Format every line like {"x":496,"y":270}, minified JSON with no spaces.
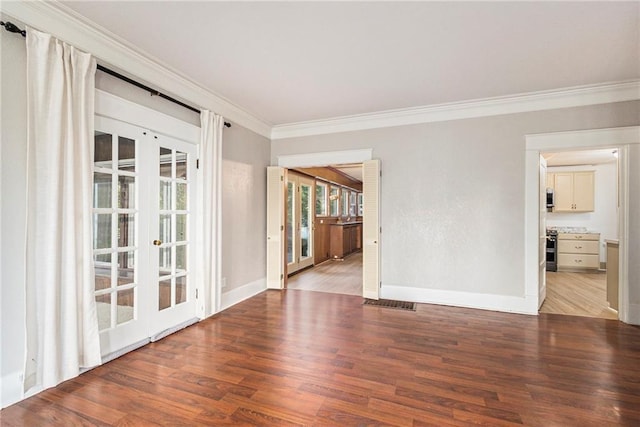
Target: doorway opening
{"x":582,"y":224}
{"x":323,"y":228}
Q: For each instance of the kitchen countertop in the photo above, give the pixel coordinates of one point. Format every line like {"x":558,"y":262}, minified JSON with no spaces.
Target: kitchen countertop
{"x":612,"y":241}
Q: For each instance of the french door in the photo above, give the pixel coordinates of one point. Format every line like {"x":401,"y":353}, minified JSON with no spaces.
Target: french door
{"x":299,"y":222}
{"x":143,"y":205}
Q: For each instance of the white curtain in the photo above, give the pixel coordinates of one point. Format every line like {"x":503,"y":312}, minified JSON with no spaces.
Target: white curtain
{"x":61,"y":320}
{"x":209,"y":204}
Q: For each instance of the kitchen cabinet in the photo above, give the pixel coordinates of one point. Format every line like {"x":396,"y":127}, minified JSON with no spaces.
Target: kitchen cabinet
{"x":345,"y":238}
{"x":612,"y":273}
{"x":578,"y":250}
{"x":551,"y":180}
{"x":574,"y":191}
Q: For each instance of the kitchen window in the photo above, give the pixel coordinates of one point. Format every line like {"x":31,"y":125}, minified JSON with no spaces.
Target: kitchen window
{"x":321,"y":199}
{"x":334,"y":201}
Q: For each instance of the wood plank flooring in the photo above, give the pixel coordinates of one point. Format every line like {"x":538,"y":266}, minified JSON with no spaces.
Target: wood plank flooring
{"x":287,"y":358}
{"x":577,"y":294}
{"x":338,"y":277}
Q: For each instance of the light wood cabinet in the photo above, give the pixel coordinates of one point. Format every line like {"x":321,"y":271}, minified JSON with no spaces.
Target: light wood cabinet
{"x":578,"y":250}
{"x":574,"y":191}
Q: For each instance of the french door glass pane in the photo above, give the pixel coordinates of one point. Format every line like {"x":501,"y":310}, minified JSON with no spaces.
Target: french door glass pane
{"x":181,"y":227}
{"x":101,"y":231}
{"x":181,"y":196}
{"x":126,"y":230}
{"x":103,"y":306}
{"x":126,"y":268}
{"x":126,"y":192}
{"x":126,"y":304}
{"x":101,"y":190}
{"x":165,"y":162}
{"x":181,"y":289}
{"x":181,"y":258}
{"x":126,"y":154}
{"x":165,"y":195}
{"x":290,"y":219}
{"x":305,"y":220}
{"x":164,"y":299}
{"x":181,"y":165}
{"x":165,"y":228}
{"x":103,"y":152}
{"x":102,"y":271}
{"x":164,"y":263}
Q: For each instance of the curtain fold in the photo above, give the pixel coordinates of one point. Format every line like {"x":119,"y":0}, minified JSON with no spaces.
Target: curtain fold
{"x":209,"y":202}
{"x":61,"y":320}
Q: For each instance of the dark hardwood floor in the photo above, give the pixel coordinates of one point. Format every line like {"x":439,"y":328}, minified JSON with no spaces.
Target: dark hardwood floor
{"x":307,"y":358}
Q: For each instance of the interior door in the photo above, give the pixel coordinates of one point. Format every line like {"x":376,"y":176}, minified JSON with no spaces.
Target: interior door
{"x":137,"y":204}
{"x":275,"y":227}
{"x":542,"y":234}
{"x":371,"y":229}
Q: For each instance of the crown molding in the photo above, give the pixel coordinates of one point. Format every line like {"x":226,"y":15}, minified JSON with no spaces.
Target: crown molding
{"x":65,"y":24}
{"x":534,"y":101}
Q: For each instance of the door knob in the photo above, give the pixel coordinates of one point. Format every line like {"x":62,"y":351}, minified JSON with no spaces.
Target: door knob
{"x":157,"y":242}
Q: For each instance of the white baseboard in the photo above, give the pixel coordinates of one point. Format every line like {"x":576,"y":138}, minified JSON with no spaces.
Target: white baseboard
{"x":11,"y":389}
{"x":509,"y":304}
{"x":633,"y":317}
{"x":243,"y":292}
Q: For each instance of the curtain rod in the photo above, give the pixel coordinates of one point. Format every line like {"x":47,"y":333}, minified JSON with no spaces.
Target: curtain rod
{"x":12,"y":28}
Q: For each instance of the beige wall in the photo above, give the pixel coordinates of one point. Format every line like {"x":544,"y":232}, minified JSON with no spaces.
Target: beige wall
{"x":453,"y":195}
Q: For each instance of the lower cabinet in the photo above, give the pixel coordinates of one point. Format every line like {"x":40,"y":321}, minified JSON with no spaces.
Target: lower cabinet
{"x":578,"y":250}
{"x":345,"y":239}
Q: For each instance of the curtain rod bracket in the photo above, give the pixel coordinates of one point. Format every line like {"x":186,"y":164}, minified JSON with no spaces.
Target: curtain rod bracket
{"x":12,"y":28}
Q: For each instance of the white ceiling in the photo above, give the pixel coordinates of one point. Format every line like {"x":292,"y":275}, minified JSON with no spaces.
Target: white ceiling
{"x":287,"y":62}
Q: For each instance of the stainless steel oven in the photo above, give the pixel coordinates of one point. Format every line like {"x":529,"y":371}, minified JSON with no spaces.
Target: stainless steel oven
{"x":552,"y":250}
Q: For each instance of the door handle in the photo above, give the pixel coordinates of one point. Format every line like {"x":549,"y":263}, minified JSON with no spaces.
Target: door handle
{"x":157,"y":242}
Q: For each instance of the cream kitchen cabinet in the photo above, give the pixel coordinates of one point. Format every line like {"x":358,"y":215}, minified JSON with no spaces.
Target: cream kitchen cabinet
{"x":578,"y":250}
{"x":574,"y":191}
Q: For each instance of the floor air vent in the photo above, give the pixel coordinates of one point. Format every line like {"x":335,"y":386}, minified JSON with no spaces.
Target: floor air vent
{"x":387,"y":303}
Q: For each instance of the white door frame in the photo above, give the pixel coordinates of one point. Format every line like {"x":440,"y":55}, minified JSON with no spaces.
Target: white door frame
{"x":619,"y":138}
{"x":325,"y":159}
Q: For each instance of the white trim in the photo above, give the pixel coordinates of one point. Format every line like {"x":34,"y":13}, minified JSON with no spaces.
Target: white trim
{"x":115,"y":52}
{"x":504,"y":303}
{"x":325,"y":158}
{"x":112,"y":106}
{"x":242,"y":293}
{"x":584,"y":139}
{"x":534,"y":101}
{"x":11,"y":391}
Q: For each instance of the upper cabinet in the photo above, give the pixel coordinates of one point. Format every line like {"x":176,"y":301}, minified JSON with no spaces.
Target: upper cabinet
{"x":574,"y":191}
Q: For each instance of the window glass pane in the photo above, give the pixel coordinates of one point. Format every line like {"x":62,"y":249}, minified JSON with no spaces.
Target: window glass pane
{"x":101,"y":231}
{"x":164,"y":232}
{"x":352,"y":204}
{"x":360,"y":208}
{"x":321,"y":199}
{"x":165,"y":162}
{"x":181,"y":227}
{"x":126,"y":268}
{"x":181,"y":196}
{"x":344,"y":202}
{"x":165,"y":195}
{"x":126,"y":230}
{"x":126,"y":192}
{"x":164,"y":294}
{"x":103,"y":152}
{"x":126,"y":154}
{"x":305,"y":219}
{"x":102,"y":271}
{"x":101,"y":190}
{"x":103,"y":306}
{"x":333,"y":201}
{"x":125,"y":305}
{"x":181,"y":289}
{"x":290,"y":219}
{"x":181,"y":165}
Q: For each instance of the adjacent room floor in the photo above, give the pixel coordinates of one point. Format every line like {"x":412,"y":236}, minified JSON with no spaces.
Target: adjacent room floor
{"x":337,"y":277}
{"x":577,"y":294}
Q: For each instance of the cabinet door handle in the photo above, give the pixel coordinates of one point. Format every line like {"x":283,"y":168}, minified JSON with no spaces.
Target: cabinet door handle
{"x":578,"y":247}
